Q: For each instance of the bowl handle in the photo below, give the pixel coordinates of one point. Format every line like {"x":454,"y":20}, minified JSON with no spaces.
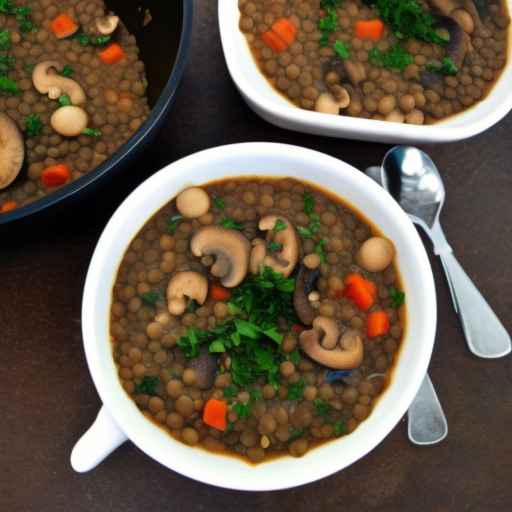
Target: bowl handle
{"x":102,"y":438}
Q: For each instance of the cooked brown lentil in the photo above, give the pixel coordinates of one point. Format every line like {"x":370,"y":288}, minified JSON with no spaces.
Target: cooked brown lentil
{"x":310,"y":67}
{"x":305,"y":406}
{"x":116,"y":102}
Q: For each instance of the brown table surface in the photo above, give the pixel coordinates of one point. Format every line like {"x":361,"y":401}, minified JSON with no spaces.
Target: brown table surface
{"x":48,"y":399}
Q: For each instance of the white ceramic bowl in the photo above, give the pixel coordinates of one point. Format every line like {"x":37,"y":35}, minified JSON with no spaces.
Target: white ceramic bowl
{"x":274,"y":108}
{"x":120,"y":419}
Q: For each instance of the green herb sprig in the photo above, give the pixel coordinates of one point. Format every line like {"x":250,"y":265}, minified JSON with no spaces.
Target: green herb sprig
{"x":394,"y":58}
{"x":446,"y":68}
{"x":147,"y":386}
{"x":33,"y":125}
{"x":397,"y":297}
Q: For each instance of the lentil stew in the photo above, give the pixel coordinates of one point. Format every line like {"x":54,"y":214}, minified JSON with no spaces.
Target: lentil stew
{"x":257,"y":317}
{"x":406,"y":61}
{"x":72,"y":91}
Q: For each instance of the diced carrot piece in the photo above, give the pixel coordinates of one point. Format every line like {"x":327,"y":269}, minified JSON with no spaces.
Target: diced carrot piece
{"x":8,"y":206}
{"x":112,"y":53}
{"x":273,"y":41}
{"x":63,"y":26}
{"x":215,"y":413}
{"x":360,"y":291}
{"x":218,"y":292}
{"x":369,"y":29}
{"x":56,"y":175}
{"x":377,"y":324}
{"x":285,"y":29}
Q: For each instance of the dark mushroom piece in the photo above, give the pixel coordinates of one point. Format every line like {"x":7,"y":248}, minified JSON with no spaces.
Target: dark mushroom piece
{"x":12,"y":151}
{"x":458,"y":45}
{"x":304,"y":285}
{"x":205,"y":365}
{"x":344,"y":71}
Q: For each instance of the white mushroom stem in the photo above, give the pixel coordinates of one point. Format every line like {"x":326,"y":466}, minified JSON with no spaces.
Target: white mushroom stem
{"x":48,"y":82}
{"x":107,"y":25}
{"x":69,"y":121}
{"x":231,"y":249}
{"x":327,"y":104}
{"x":258,"y":253}
{"x":348,"y":354}
{"x":182,"y":285}
{"x":193,"y":202}
{"x":375,"y":254}
{"x":282,"y":261}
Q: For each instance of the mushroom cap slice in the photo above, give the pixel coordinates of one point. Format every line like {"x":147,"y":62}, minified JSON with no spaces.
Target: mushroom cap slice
{"x":285,"y":260}
{"x":185,"y":284}
{"x":304,"y":284}
{"x":12,"y":151}
{"x":69,"y":121}
{"x":48,"y":82}
{"x":193,"y":202}
{"x":230,"y":247}
{"x":330,"y":329}
{"x":106,"y":25}
{"x":347,"y":355}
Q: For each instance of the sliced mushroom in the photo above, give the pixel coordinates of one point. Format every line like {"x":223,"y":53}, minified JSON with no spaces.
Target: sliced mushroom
{"x":348,"y":353}
{"x":355,"y":71}
{"x":185,"y":284}
{"x":458,"y":45}
{"x":107,"y":24}
{"x":193,"y":202}
{"x":454,"y":7}
{"x":230,"y":248}
{"x":12,"y":151}
{"x":47,"y":81}
{"x":304,"y":285}
{"x":258,"y":253}
{"x":69,"y":121}
{"x":330,"y":330}
{"x":375,"y":254}
{"x":326,"y":103}
{"x":283,"y":261}
{"x":205,"y":365}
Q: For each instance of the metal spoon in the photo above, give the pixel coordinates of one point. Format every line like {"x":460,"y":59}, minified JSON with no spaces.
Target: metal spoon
{"x":411,"y":177}
{"x":426,"y":420}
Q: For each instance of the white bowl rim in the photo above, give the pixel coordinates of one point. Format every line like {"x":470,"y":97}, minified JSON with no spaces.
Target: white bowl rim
{"x":210,"y":468}
{"x":280,"y":111}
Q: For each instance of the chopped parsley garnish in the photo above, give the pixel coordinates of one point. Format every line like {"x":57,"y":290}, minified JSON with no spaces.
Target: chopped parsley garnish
{"x":447,"y":67}
{"x":274,"y":246}
{"x":322,"y":408}
{"x":230,"y":391}
{"x":92,"y":132}
{"x":86,"y":40}
{"x":341,"y":49}
{"x":5,"y":40}
{"x":319,"y":249}
{"x":192,"y":306}
{"x":64,"y":100}
{"x":22,"y":15}
{"x":219,"y":203}
{"x":296,"y":390}
{"x":280,"y":225}
{"x":309,"y":203}
{"x":8,"y":86}
{"x":327,"y":25}
{"x":408,"y":19}
{"x":147,"y":386}
{"x":172,"y":223}
{"x":339,"y":428}
{"x":312,"y":228}
{"x":326,"y":4}
{"x":294,"y":357}
{"x":250,"y":337}
{"x":295,"y":433}
{"x":397,"y":297}
{"x":29,"y":68}
{"x":394,"y":58}
{"x":33,"y":125}
{"x":243,"y":411}
{"x":67,"y":71}
{"x":230,"y":223}
{"x":6,"y":64}
{"x":151,"y":298}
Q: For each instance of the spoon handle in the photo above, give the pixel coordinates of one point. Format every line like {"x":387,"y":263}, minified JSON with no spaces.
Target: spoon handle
{"x":485,"y":335}
{"x":426,"y":420}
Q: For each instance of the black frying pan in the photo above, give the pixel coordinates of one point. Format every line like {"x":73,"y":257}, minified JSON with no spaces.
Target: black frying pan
{"x":164,"y":45}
